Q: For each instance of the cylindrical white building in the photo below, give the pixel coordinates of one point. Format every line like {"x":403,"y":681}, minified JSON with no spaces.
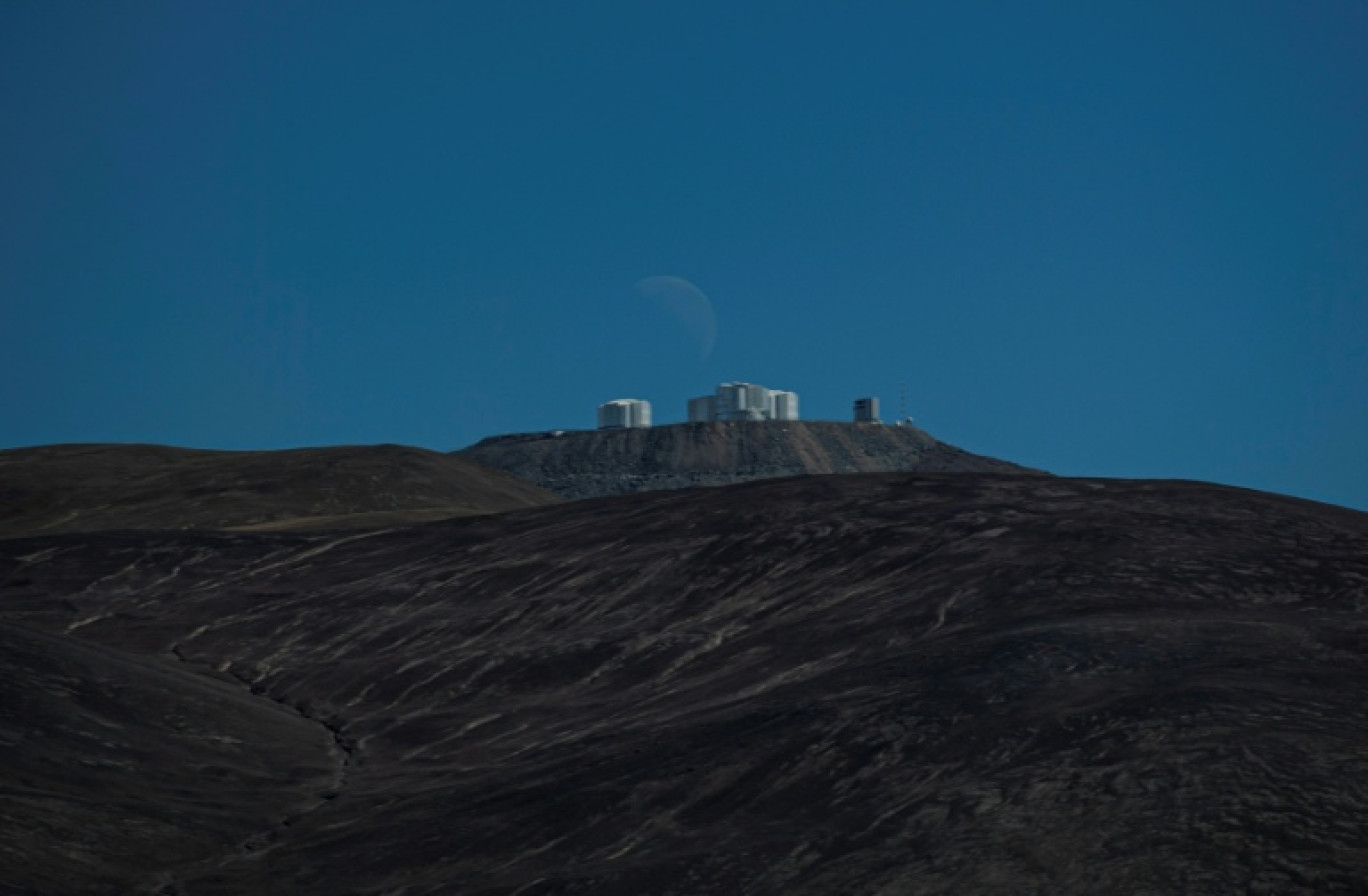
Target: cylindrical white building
{"x":744,"y":401}
{"x":624,"y":413}
{"x":783,"y":405}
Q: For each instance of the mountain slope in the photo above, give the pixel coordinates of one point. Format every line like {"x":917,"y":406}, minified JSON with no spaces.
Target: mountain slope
{"x":117,"y":765}
{"x":81,"y":488}
{"x":890,"y":683}
{"x":588,"y":464}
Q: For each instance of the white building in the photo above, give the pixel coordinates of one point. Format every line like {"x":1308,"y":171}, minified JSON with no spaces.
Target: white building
{"x":783,"y":405}
{"x":743,"y":401}
{"x":624,"y":413}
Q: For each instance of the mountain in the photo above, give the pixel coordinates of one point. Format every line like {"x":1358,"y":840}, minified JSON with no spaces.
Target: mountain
{"x":82,"y":488}
{"x":880,"y":683}
{"x":594,"y":463}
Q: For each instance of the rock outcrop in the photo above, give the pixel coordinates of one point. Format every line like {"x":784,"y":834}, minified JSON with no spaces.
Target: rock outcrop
{"x":587,"y":463}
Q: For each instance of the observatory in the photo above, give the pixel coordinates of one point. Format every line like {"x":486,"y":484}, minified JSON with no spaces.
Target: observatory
{"x":624,"y":413}
{"x":744,"y":401}
{"x":866,"y":410}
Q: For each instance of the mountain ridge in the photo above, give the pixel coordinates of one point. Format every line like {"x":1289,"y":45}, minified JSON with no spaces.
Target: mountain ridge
{"x":92,"y":486}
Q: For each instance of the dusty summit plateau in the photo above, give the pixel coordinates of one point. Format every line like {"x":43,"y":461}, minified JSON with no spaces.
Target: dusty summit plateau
{"x":896,"y":682}
{"x":589,"y":464}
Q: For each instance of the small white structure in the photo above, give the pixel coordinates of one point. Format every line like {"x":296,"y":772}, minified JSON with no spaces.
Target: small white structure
{"x":624,"y":413}
{"x":866,"y":410}
{"x":783,"y":405}
{"x":744,"y":401}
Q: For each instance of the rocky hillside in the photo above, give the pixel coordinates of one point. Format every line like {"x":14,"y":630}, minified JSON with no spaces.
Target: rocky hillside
{"x":585,"y":464}
{"x":84,"y":488}
{"x":897,"y":683}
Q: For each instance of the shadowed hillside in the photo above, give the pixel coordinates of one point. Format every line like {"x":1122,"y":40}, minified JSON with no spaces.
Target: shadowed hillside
{"x":931,"y":684}
{"x":585,"y":464}
{"x":83,"y":488}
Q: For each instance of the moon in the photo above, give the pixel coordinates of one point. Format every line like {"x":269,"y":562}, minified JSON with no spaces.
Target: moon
{"x":687,"y":304}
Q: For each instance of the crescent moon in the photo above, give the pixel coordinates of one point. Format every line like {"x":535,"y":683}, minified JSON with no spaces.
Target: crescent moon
{"x":687,"y":304}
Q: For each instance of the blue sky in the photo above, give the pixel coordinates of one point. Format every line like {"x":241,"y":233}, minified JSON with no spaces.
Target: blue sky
{"x":1122,"y":239}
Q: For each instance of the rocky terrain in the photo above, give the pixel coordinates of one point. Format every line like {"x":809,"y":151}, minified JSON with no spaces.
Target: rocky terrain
{"x":883,"y":683}
{"x":589,"y":463}
{"x":86,"y":488}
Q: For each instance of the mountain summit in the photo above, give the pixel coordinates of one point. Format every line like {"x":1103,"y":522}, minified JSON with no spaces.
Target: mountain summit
{"x":590,"y":463}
